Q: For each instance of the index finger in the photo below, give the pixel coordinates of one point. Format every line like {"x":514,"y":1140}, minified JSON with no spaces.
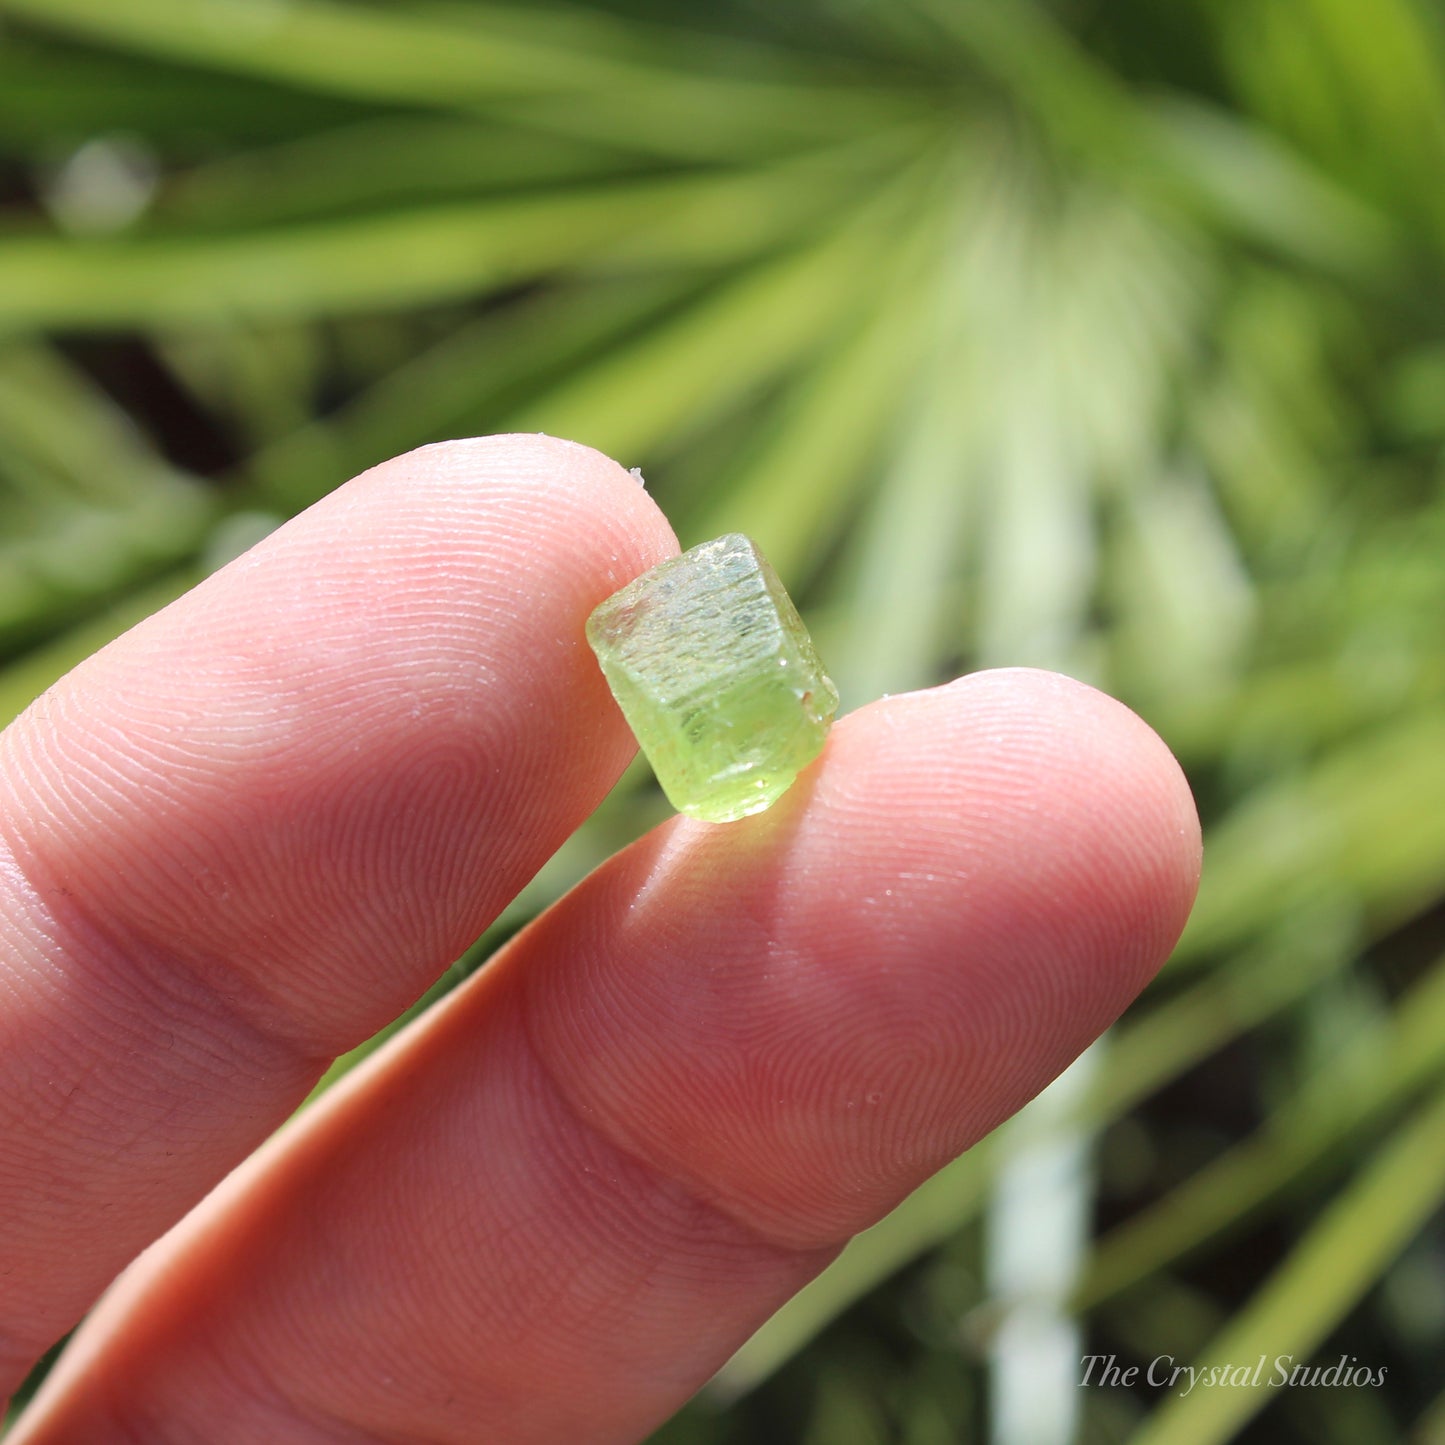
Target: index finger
{"x":246,"y":835}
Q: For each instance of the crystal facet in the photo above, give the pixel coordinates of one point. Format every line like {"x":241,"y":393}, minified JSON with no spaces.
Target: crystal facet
{"x":717,"y":676}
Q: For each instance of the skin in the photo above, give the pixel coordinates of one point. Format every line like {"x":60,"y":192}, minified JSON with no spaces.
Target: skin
{"x":247,"y":834}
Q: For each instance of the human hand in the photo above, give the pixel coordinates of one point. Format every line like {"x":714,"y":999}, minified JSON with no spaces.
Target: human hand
{"x":245,"y":836}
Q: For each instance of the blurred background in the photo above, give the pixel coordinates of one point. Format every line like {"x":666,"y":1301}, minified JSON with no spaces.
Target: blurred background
{"x":1101,"y":335}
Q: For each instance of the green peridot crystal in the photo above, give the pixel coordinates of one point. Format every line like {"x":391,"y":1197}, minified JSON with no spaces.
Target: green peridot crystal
{"x":718,"y":678}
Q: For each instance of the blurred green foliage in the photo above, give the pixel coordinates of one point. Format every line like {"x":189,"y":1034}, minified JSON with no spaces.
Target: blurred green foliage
{"x":1099,"y":336}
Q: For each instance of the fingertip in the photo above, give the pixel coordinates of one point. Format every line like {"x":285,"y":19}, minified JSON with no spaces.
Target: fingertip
{"x":1077,"y":802}
{"x":1037,"y":822}
{"x":387,"y":704}
{"x":1111,"y":776}
{"x":806,"y":1012}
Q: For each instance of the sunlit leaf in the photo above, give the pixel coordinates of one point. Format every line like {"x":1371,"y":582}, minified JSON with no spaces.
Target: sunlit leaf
{"x":1297,"y":1307}
{"x":1353,"y":1093}
{"x":408,"y":258}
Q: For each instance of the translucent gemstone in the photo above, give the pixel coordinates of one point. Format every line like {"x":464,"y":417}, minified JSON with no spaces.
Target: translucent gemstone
{"x":717,"y":676}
